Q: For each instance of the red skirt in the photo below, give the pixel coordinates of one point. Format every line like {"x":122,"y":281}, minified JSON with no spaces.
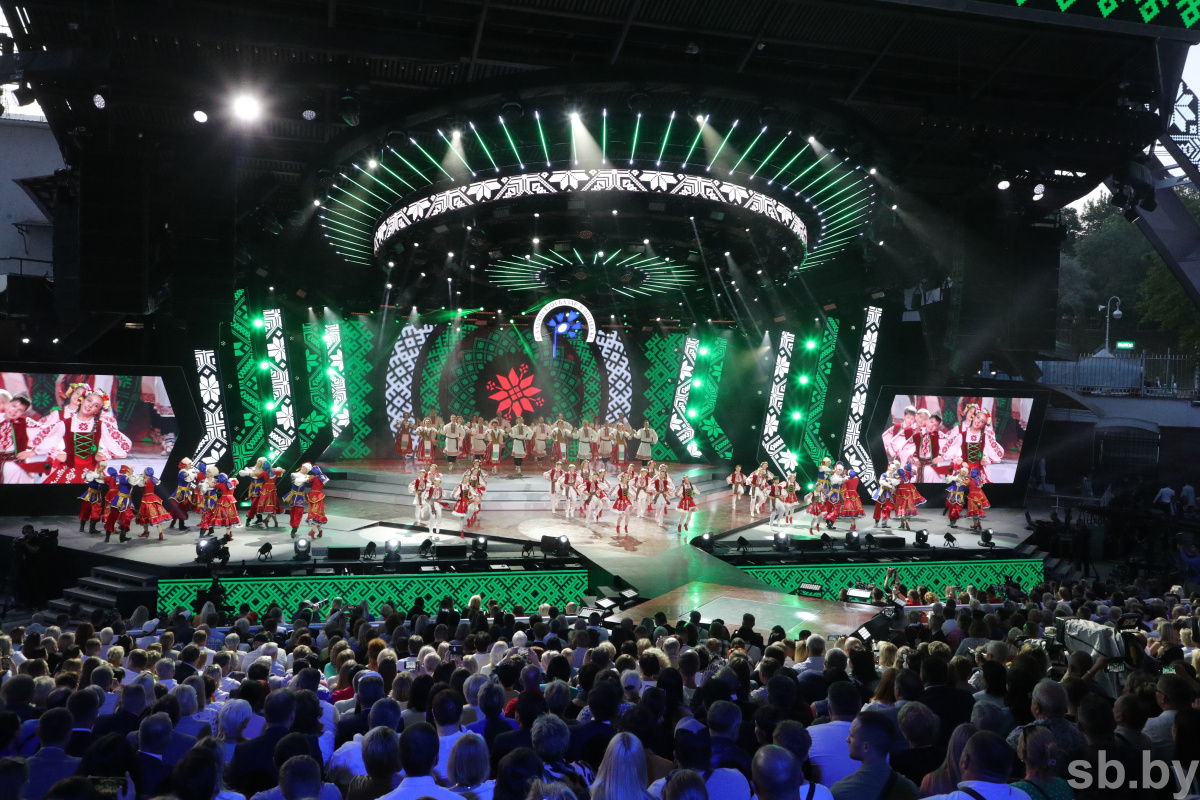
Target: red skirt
{"x":791,"y":499}
{"x":851,"y":506}
{"x":404,"y":443}
{"x":977,"y":503}
{"x":64,"y":474}
{"x":151,"y":512}
{"x":462,"y":505}
{"x":225,"y":514}
{"x":268,"y":502}
{"x":622,"y":504}
{"x":904,"y":506}
{"x":493,"y":455}
{"x":316,"y":510}
{"x":687,"y":504}
{"x":816,"y":508}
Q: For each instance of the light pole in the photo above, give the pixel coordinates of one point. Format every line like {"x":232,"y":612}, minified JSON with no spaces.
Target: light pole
{"x":1109,"y":316}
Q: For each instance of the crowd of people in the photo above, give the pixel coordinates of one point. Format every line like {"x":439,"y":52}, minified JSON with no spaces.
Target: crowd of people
{"x":964,"y":699}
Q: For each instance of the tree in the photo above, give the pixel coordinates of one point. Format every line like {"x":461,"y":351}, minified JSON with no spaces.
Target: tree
{"x":1162,"y":300}
{"x":1075,"y":281}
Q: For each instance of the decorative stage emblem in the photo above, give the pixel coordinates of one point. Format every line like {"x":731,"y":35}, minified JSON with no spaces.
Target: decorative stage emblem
{"x":563,"y":318}
{"x":515,"y":391}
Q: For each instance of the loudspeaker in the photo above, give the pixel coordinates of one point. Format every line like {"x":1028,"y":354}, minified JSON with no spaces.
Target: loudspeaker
{"x":343,"y":553}
{"x":889,"y":542}
{"x":451,"y":551}
{"x":806,"y":544}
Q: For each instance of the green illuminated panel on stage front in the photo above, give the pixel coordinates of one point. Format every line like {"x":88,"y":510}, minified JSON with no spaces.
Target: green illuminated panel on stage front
{"x":529,"y":589}
{"x":936,"y":575}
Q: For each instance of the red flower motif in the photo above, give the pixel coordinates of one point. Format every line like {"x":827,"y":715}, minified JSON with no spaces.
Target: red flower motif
{"x":515,"y":391}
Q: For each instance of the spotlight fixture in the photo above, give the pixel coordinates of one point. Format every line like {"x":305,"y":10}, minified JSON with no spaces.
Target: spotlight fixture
{"x":264,"y":552}
{"x":852,"y":541}
{"x":309,"y":114}
{"x":949,"y":540}
{"x":425,"y":549}
{"x":985,"y":538}
{"x":1003,"y":184}
{"x":743,"y":546}
{"x":369,"y":552}
{"x":922,"y":539}
{"x":301,"y":550}
{"x":703,"y":543}
{"x":98,"y":101}
{"x":246,"y":107}
{"x":870,"y":542}
{"x":527,"y":550}
{"x":827,"y":541}
{"x":391,"y":551}
{"x":479,"y":545}
{"x":782,"y":542}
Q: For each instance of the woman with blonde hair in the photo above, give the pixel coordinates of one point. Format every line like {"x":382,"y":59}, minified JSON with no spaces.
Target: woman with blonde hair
{"x":622,"y":773}
{"x":945,"y":778}
{"x":401,"y":687}
{"x":231,"y":724}
{"x":1044,"y":763}
{"x":467,"y":770}
{"x":885,"y":692}
{"x":887,"y":655}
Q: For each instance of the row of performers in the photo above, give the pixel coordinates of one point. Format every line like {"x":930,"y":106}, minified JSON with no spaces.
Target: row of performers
{"x":598,"y":443}
{"x":64,"y":445}
{"x":918,"y":440}
{"x":646,"y":491}
{"x":108,"y":499}
{"x":835,"y":495}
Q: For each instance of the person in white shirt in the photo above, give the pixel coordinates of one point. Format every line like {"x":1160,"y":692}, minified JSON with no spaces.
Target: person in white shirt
{"x":816,"y":655}
{"x":829,"y":749}
{"x":348,"y":760}
{"x":1166,"y":497}
{"x":447,"y":708}
{"x":693,"y":750}
{"x":1173,"y":693}
{"x":164,"y":668}
{"x":986,"y":763}
{"x":418,"y":757}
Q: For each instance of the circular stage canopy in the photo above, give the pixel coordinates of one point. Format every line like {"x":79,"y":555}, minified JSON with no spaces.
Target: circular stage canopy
{"x":626,"y":204}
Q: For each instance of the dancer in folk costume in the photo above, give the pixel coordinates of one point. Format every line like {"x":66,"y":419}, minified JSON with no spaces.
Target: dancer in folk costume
{"x":225,"y":515}
{"x":815,"y":509}
{"x":268,"y":502}
{"x":791,"y":495}
{"x":404,"y":435}
{"x":560,"y":435}
{"x":477,"y":480}
{"x":583,"y":435}
{"x":975,"y":443}
{"x":687,"y":503}
{"x":465,"y":503}
{"x":833,"y":497}
{"x":200,"y":492}
{"x":478,"y":429}
{"x":852,"y":507}
{"x":520,"y":434}
{"x":19,"y":464}
{"x":150,"y":508}
{"x":977,"y":502}
{"x":571,"y":489}
{"x":541,"y":433}
{"x":425,"y":436}
{"x":495,"y":445}
{"x":605,"y":436}
{"x":431,"y":501}
{"x":647,"y":438}
{"x":456,"y":433}
{"x":296,"y":499}
{"x":316,"y":503}
{"x":928,"y":448}
{"x":120,"y":508}
{"x":737,"y":480}
{"x":641,"y":490}
{"x":590,"y":491}
{"x":254,"y":474}
{"x":620,"y":444}
{"x":91,"y":509}
{"x":760,"y":483}
{"x":79,"y":442}
{"x":906,"y":497}
{"x":558,"y":490}
{"x":622,"y":501}
{"x":898,"y":436}
{"x":775,"y":504}
{"x":72,"y":400}
{"x":418,"y":487}
{"x":956,"y":493}
{"x":181,"y":498}
{"x":821,"y":485}
{"x":885,"y":496}
{"x":661,"y":490}
{"x":210,"y":493}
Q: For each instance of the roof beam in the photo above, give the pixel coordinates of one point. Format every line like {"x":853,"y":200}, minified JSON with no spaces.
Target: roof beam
{"x":875,"y":63}
{"x":478,"y":38}
{"x":758,"y":37}
{"x":633,"y":9}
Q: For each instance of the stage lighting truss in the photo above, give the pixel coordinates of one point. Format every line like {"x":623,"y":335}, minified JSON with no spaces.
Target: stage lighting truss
{"x":679,"y":425}
{"x":283,"y":434}
{"x":648,"y":275}
{"x":784,"y":459}
{"x":402,"y":364}
{"x":215,"y":443}
{"x":426,"y":174}
{"x":854,"y":452}
{"x":339,"y":414}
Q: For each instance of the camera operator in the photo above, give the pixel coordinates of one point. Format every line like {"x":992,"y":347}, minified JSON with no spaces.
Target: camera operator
{"x":27,"y":586}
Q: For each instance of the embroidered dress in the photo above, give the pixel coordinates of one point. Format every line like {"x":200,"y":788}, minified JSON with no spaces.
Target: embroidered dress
{"x":687,"y":494}
{"x":622,"y":501}
{"x":977,"y":502}
{"x":150,"y":509}
{"x":316,"y":501}
{"x":225,"y":513}
{"x":852,"y":506}
{"x":81,"y":439}
{"x":268,"y":500}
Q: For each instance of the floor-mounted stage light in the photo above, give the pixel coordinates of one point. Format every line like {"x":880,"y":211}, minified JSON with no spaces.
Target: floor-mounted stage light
{"x":264,"y":552}
{"x":782,"y":542}
{"x":949,"y":540}
{"x":703,"y":543}
{"x":743,"y":546}
{"x":369,"y":552}
{"x":527,"y":550}
{"x":827,"y":541}
{"x":870,"y":542}
{"x":852,"y":542}
{"x":206,"y":549}
{"x":301,"y":550}
{"x":479,"y":547}
{"x":922,"y":539}
{"x":985,"y":538}
{"x":425,"y":549}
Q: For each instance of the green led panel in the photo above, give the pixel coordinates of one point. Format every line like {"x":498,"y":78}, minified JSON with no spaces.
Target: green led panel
{"x":703,"y":399}
{"x":251,"y":439}
{"x":813,"y":446}
{"x":663,"y":353}
{"x":358,"y":361}
{"x":316,"y":362}
{"x":529,"y":589}
{"x":937,"y":575}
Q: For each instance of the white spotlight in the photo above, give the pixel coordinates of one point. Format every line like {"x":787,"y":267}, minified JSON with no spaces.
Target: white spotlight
{"x":317,"y":201}
{"x":99,"y":101}
{"x":372,"y":163}
{"x":1003,"y":184}
{"x":199,"y":116}
{"x":246,"y":107}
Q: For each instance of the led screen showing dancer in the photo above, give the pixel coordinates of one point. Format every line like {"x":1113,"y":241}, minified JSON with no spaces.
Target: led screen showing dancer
{"x":57,"y":428}
{"x":936,"y":434}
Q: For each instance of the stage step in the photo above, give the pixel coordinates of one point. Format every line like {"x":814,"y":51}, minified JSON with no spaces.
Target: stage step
{"x":92,"y":597}
{"x":61,"y":606}
{"x":125,"y":576}
{"x":105,"y":585}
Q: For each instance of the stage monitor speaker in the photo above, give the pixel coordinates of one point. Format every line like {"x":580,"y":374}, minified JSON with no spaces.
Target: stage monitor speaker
{"x":876,"y":628}
{"x":129,"y":599}
{"x":888,"y":542}
{"x":451,"y":551}
{"x":343,"y":553}
{"x":806,"y":544}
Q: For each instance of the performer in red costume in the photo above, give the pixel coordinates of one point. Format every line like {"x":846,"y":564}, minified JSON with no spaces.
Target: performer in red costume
{"x":404,"y":439}
{"x":975,"y":443}
{"x":852,"y":507}
{"x":297,"y":497}
{"x":268,"y":501}
{"x":91,"y":509}
{"x":225,"y":513}
{"x":622,"y":502}
{"x":316,"y":503}
{"x":928,"y":450}
{"x":254,"y":473}
{"x":464,"y":499}
{"x":181,"y":499}
{"x":885,"y":495}
{"x":906,"y":497}
{"x":78,"y":443}
{"x":737,"y":480}
{"x":791,"y":495}
{"x":18,"y":462}
{"x":833,"y":497}
{"x":956,"y":494}
{"x":150,"y":508}
{"x":120,"y":508}
{"x":977,"y":502}
{"x":687,"y":502}
{"x":661,"y":488}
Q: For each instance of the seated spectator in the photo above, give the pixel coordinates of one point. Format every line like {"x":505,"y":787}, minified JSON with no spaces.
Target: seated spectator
{"x":418,"y":757}
{"x":446,"y":708}
{"x":693,"y":751}
{"x":530,"y":706}
{"x":951,"y":704}
{"x":84,"y":706}
{"x":622,"y":772}
{"x":519,"y":770}
{"x":1049,"y":708}
{"x":1173,"y":692}
{"x":197,"y":776}
{"x":153,"y":740}
{"x":724,"y":725}
{"x":777,"y":776}
{"x":51,"y":763}
{"x":919,"y":727}
{"x":830,"y":753}
{"x":347,"y":761}
{"x":127,"y":716}
{"x":986,"y":763}
{"x":252,"y":769}
{"x":491,"y":707}
{"x":589,"y":739}
{"x":467,"y":768}
{"x":231,"y":723}
{"x":369,"y":690}
{"x":871,"y":737}
{"x":1044,"y":764}
{"x":189,"y":706}
{"x":1130,"y":715}
{"x":380,"y":750}
{"x":300,"y":779}
{"x":551,"y":738}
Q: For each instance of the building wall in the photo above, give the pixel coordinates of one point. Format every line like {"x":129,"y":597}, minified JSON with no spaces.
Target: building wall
{"x":29,"y":151}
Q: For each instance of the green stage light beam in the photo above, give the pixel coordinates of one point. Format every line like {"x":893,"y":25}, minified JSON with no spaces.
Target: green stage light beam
{"x":695,"y":142}
{"x":349,"y":223}
{"x":770,"y":155}
{"x":666,"y":138}
{"x":841,"y":192}
{"x":783,"y":169}
{"x":604,"y":137}
{"x":360,"y":199}
{"x":483,"y":145}
{"x":409,"y":164}
{"x":722,"y":146}
{"x":813,"y":195}
{"x":455,"y":151}
{"x":396,"y":175}
{"x":827,"y":172}
{"x":511,"y":143}
{"x":637,"y":127}
{"x":376,"y":178}
{"x":748,"y":149}
{"x":337,"y":225}
{"x":358,"y":211}
{"x":542,"y":135}
{"x":807,"y":169}
{"x":432,"y":160}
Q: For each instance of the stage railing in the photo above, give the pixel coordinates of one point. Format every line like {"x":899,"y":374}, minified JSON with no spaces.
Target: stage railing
{"x":1173,"y":376}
